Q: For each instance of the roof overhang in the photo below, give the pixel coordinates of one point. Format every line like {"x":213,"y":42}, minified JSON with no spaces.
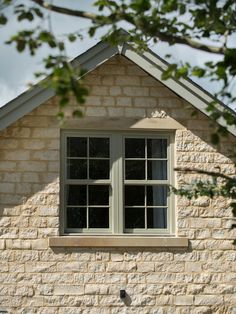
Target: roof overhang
{"x":97,"y":55}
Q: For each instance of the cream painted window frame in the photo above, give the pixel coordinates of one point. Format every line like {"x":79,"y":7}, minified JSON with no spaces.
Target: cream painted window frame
{"x":117,"y":182}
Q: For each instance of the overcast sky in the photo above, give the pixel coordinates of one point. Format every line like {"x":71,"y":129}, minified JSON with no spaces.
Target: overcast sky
{"x":16,"y":69}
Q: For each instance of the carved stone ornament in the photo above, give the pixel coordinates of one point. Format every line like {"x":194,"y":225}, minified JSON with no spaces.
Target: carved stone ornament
{"x":159,"y":114}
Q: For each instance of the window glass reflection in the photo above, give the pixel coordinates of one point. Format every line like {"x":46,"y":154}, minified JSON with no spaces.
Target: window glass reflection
{"x":76,"y":168}
{"x":77,"y":147}
{"x":99,"y":147}
{"x":157,"y":148}
{"x":76,"y":217}
{"x":135,"y":169}
{"x":76,"y":195}
{"x":98,"y":217}
{"x":157,"y":218}
{"x":99,"y":169}
{"x":134,"y":195}
{"x":157,"y":170}
{"x":98,"y":195}
{"x":134,"y":148}
{"x":134,"y":217}
{"x":157,"y":195}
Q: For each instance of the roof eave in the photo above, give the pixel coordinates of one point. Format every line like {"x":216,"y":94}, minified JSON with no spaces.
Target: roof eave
{"x":38,"y":94}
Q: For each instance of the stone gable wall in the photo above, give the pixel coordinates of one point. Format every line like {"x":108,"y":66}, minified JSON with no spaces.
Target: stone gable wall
{"x":36,"y":279}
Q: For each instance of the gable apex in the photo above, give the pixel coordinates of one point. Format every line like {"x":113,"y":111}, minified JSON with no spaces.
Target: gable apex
{"x":148,"y":61}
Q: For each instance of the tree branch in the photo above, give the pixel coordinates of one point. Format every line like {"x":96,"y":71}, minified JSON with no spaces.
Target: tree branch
{"x":209,"y":173}
{"x":162,"y":36}
{"x":191,"y":43}
{"x":66,"y":11}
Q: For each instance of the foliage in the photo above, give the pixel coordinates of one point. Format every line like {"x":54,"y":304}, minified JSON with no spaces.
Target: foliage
{"x":206,"y":25}
{"x":219,"y":185}
{"x":188,"y":22}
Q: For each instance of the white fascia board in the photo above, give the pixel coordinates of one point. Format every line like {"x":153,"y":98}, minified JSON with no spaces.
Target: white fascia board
{"x":33,"y":98}
{"x":23,"y":104}
{"x":95,"y":56}
{"x":154,"y":66}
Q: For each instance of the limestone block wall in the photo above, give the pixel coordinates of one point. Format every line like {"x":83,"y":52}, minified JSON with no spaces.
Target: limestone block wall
{"x":35,"y":278}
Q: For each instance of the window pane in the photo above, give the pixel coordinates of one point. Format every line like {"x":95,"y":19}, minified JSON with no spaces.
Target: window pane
{"x":99,"y":169}
{"x":157,"y":169}
{"x":98,"y":217}
{"x":134,"y":218}
{"x":77,"y":147}
{"x":76,"y":217}
{"x":157,"y":195}
{"x":157,"y":217}
{"x":76,"y":169}
{"x":157,"y":148}
{"x":134,"y":195}
{"x":134,"y":148}
{"x":135,"y":169}
{"x":98,"y":195}
{"x":76,"y":195}
{"x":99,"y":147}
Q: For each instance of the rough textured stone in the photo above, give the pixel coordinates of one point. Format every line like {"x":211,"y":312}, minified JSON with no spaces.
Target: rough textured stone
{"x":184,"y":300}
{"x":37,"y":279}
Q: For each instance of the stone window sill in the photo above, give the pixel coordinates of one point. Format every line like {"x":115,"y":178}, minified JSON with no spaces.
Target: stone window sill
{"x":117,"y":241}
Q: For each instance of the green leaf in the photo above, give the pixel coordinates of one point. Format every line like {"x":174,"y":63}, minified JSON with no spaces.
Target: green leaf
{"x":92,"y":31}
{"x":25,"y":16}
{"x":72,"y":37}
{"x":215,"y":138}
{"x":169,"y":72}
{"x":45,"y":36}
{"x":19,"y":6}
{"x":3,"y":19}
{"x":52,"y":43}
{"x":29,"y":16}
{"x":181,"y":72}
{"x":38,"y":12}
{"x":60,"y":115}
{"x":61,"y":46}
{"x":20,"y":45}
{"x":199,"y":72}
{"x":169,"y":5}
{"x":77,"y":113}
{"x":64,"y":101}
{"x":182,"y":8}
{"x":39,"y":74}
{"x":140,"y":5}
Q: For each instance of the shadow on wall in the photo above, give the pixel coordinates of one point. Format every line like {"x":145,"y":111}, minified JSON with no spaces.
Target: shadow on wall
{"x":26,"y":217}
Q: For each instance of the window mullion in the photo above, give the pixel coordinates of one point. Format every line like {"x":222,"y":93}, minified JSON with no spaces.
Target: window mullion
{"x":117,"y":186}
{"x":87,"y":206}
{"x":145,"y":194}
{"x":88,"y":158}
{"x":145,"y":204}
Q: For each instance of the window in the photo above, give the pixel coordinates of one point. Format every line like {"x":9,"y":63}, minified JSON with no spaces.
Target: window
{"x":116,"y":183}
